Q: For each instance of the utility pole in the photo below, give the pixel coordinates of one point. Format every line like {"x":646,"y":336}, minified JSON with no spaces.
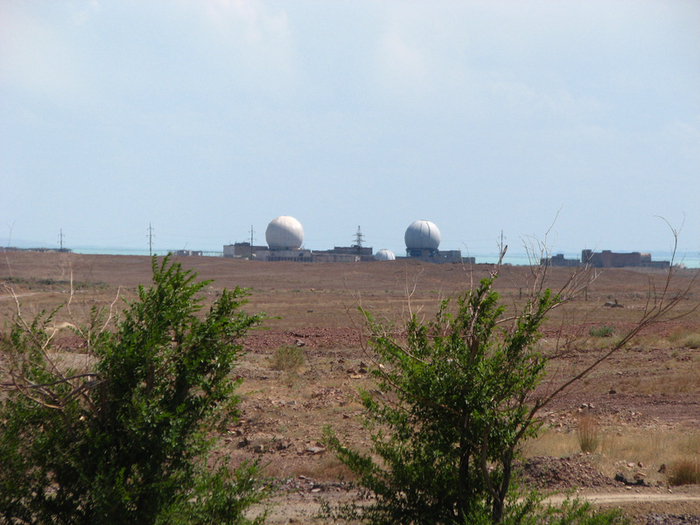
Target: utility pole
{"x":358,"y":238}
{"x":251,"y":235}
{"x":150,"y":240}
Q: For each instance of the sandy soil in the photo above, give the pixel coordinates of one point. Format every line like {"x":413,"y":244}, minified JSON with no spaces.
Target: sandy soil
{"x":651,"y":386}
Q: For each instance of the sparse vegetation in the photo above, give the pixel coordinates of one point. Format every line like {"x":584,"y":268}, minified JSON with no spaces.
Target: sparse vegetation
{"x":601,"y":331}
{"x":684,"y":471}
{"x":588,"y":434}
{"x":692,"y":341}
{"x":35,"y":283}
{"x":287,"y":358}
{"x":644,"y":431}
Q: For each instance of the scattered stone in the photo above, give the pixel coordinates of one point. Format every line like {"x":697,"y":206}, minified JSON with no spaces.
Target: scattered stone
{"x":637,"y":481}
{"x":563,"y":473}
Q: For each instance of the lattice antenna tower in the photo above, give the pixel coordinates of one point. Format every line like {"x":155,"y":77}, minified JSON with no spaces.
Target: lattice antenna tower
{"x":60,"y":239}
{"x":150,"y":239}
{"x":358,"y":238}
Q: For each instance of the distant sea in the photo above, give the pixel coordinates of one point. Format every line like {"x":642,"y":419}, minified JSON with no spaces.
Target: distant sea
{"x":690,"y":260}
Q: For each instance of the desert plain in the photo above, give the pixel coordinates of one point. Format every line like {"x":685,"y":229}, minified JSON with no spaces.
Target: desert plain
{"x":641,"y":405}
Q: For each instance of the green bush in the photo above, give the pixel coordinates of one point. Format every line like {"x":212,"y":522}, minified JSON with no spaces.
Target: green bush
{"x":127,"y":442}
{"x":456,"y":403}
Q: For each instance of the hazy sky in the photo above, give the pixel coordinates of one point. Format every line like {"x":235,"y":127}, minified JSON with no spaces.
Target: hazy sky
{"x":206,"y":117}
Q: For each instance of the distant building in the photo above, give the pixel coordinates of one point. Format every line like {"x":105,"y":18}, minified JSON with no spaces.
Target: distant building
{"x":422,"y":241}
{"x":285,"y":237}
{"x":242,"y":249}
{"x":609,"y":259}
{"x":188,"y":253}
{"x":559,"y":260}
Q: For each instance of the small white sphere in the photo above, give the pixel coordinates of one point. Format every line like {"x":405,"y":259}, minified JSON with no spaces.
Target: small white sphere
{"x":422,"y":235}
{"x":284,"y":233}
{"x":385,"y":255}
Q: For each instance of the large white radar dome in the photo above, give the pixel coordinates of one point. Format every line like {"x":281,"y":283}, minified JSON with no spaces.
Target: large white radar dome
{"x":422,"y":235}
{"x":284,"y":233}
{"x":385,"y":255}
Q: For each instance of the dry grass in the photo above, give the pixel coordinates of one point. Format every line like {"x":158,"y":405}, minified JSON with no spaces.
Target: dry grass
{"x":684,"y":471}
{"x":671,"y":382}
{"x":287,"y":359}
{"x":692,"y":341}
{"x":601,"y":331}
{"x":588,"y":434}
{"x":673,"y":450}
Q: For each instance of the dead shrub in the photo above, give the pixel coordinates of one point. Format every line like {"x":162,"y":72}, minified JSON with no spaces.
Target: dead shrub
{"x":588,"y":434}
{"x":684,"y":471}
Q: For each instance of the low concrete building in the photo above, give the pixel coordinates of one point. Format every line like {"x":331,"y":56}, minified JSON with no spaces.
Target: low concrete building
{"x":559,"y":260}
{"x":242,"y":249}
{"x":609,"y":259}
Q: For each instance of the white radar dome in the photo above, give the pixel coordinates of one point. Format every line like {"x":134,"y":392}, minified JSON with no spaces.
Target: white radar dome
{"x":284,"y":233}
{"x":422,"y":235}
{"x":385,"y":255}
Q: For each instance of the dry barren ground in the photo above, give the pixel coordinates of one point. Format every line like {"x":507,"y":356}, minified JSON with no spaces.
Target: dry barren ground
{"x":644,"y":402}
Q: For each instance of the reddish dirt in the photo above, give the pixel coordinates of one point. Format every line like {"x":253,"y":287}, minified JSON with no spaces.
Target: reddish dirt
{"x":651,"y":384}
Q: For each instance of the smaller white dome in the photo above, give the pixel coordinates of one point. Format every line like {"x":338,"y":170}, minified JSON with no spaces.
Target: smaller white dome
{"x":284,"y":233}
{"x":385,"y":255}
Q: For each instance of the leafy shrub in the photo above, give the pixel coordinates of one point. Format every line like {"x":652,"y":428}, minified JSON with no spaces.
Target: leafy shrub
{"x":127,"y":442}
{"x":454,"y":407}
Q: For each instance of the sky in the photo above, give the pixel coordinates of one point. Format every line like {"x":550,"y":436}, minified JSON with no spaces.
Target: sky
{"x":573,"y":124}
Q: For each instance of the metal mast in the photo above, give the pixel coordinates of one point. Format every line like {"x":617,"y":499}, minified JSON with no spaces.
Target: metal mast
{"x":150,"y":240}
{"x":358,"y":238}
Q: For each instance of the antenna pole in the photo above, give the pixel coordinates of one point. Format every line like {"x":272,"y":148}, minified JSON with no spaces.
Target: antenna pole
{"x":359,"y":237}
{"x":60,"y":239}
{"x":150,"y":240}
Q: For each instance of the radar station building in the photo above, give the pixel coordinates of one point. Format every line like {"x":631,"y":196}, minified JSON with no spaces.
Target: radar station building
{"x":285,"y":238}
{"x":422,"y":242}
